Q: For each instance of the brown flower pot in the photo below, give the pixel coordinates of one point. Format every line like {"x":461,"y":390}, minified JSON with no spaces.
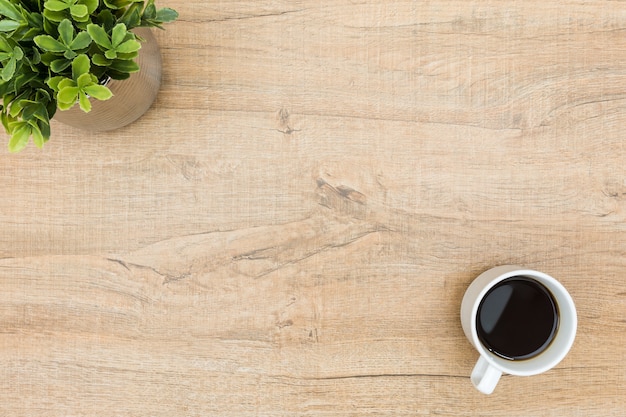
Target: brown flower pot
{"x":131,"y":97}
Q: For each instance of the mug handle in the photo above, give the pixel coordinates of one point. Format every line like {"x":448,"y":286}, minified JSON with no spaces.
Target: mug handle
{"x":484,"y":376}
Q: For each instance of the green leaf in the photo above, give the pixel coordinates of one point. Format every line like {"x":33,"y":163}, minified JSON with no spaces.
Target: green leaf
{"x":79,"y":12}
{"x":69,"y":54}
{"x":84,"y":80}
{"x":65,"y":82}
{"x":129,"y":56}
{"x":43,"y":95}
{"x":80,"y":66}
{"x":55,"y":5}
{"x":38,"y":138}
{"x":41,"y":113}
{"x":65,"y":106}
{"x":17,"y":105}
{"x":106,"y":19}
{"x":59,"y":65}
{"x":19,"y":138}
{"x":48,"y":43}
{"x":50,"y":18}
{"x":9,"y":10}
{"x":66,"y":31}
{"x":128,"y":47}
{"x":119,"y":4}
{"x":9,"y":69}
{"x":81,"y":41}
{"x":29,"y":111}
{"x":23,"y":78}
{"x":68,"y":95}
{"x":34,"y":19}
{"x":124,"y":66}
{"x":92,"y":5}
{"x":166,"y":15}
{"x":99,"y":36}
{"x":7,"y":99}
{"x":5,"y":121}
{"x":31,"y":33}
{"x":85,"y":104}
{"x":18,"y":54}
{"x":98,"y":92}
{"x":44,"y":126}
{"x":131,"y":17}
{"x":118,"y":34}
{"x":150,"y":11}
{"x":4,"y":45}
{"x":100,"y":60}
{"x":110,"y":54}
{"x":53,"y":82}
{"x":35,"y":56}
{"x":8,"y":25}
{"x":110,"y":4}
{"x":117,"y":75}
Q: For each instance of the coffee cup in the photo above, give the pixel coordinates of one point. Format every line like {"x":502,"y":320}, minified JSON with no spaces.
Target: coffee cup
{"x":522,"y":322}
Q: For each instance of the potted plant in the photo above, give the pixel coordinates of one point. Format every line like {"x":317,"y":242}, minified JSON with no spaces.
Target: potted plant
{"x":58,"y":54}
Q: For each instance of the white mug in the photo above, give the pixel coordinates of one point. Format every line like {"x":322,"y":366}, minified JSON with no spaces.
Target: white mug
{"x":490,"y":366}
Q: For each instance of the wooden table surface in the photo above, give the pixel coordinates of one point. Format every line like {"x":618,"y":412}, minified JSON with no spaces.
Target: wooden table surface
{"x":290,"y":229}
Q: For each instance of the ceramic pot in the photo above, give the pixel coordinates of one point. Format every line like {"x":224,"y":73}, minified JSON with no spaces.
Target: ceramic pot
{"x":131,"y":97}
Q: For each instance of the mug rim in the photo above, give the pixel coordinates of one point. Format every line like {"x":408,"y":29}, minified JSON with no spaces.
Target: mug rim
{"x":564,"y":336}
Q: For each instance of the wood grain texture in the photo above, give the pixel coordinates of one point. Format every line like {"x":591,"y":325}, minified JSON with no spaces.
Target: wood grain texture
{"x":290,"y":229}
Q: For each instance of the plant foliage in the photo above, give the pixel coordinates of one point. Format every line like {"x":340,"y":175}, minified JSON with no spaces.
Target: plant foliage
{"x":55,"y":54}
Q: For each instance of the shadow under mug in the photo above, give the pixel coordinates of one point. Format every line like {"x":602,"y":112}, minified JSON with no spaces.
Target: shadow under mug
{"x":490,"y":367}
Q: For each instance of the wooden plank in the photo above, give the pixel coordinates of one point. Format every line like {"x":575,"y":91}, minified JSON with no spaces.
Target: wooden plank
{"x":290,"y":229}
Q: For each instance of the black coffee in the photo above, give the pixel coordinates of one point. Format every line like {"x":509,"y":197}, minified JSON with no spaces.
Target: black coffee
{"x":517,"y":319}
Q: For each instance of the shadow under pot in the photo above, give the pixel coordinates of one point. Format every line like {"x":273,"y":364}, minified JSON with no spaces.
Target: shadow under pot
{"x":131,"y":97}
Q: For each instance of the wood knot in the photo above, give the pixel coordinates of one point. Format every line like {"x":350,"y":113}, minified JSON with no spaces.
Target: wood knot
{"x":283,"y":121}
{"x":343,"y":191}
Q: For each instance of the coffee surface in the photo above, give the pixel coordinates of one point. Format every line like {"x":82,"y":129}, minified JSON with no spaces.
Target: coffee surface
{"x":517,"y":319}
